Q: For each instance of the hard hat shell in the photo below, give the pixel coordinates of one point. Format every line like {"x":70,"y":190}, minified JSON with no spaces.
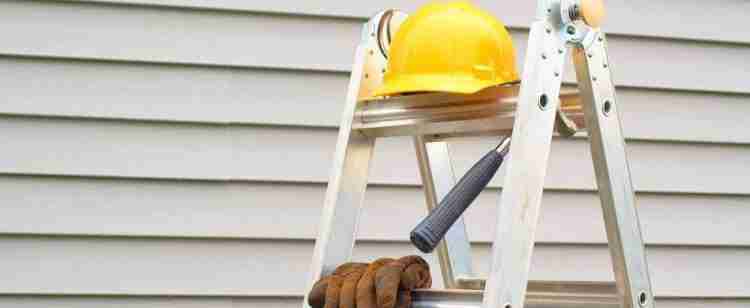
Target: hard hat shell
{"x":449,"y":47}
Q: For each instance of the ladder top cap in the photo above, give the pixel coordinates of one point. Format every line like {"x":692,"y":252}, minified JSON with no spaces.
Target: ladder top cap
{"x":592,"y":12}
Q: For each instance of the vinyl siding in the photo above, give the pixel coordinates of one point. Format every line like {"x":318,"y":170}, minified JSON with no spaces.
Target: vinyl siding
{"x":175,"y":152}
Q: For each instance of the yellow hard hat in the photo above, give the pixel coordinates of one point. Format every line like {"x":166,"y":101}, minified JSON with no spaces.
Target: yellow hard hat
{"x":449,"y":47}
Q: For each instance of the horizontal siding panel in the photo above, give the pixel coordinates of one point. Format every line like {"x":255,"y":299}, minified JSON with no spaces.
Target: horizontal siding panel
{"x":165,"y":35}
{"x":151,"y":34}
{"x":655,"y":18}
{"x":42,"y":205}
{"x":221,"y":152}
{"x":261,"y":302}
{"x":683,"y":116}
{"x":244,"y":268}
{"x":53,"y":87}
{"x":153,"y":92}
{"x":40,"y":301}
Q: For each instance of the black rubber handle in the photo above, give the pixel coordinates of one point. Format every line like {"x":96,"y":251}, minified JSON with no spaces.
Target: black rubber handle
{"x":431,"y":230}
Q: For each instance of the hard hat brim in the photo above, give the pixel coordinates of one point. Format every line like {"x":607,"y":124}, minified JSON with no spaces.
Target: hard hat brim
{"x":438,"y":83}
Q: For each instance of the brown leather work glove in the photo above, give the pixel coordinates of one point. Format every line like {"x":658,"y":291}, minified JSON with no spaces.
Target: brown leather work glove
{"x":385,"y":283}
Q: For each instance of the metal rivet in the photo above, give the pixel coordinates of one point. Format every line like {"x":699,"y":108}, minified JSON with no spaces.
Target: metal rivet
{"x":372,"y":34}
{"x":593,"y":78}
{"x":607,"y":107}
{"x":571,"y":30}
{"x":544,"y":56}
{"x":557,"y":74}
{"x":548,"y":30}
{"x":549,"y":10}
{"x":591,"y":55}
{"x":642,"y":299}
{"x":605,"y":65}
{"x":508,"y":305}
{"x":543,"y":101}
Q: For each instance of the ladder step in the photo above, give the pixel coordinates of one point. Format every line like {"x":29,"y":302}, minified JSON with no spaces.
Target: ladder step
{"x":444,"y":115}
{"x":540,"y":294}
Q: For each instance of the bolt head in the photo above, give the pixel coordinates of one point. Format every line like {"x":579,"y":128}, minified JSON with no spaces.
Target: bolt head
{"x":607,"y":107}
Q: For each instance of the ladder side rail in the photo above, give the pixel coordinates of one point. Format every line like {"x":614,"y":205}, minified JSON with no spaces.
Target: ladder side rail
{"x":518,"y":208}
{"x":613,"y":173}
{"x":347,"y":182}
{"x":438,"y":178}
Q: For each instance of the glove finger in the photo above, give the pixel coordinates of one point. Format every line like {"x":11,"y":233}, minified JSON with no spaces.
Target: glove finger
{"x":413,"y":259}
{"x":416,"y":274}
{"x":333,"y":291}
{"x":349,"y":286}
{"x":347,"y":268}
{"x":317,"y":296}
{"x":366,"y":296}
{"x":387,"y":281}
{"x":416,"y":277}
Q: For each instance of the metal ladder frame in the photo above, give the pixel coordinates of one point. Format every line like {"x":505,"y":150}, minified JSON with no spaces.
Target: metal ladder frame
{"x":529,"y":113}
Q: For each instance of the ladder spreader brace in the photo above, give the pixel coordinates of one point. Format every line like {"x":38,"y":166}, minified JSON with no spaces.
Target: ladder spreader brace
{"x":530,"y":112}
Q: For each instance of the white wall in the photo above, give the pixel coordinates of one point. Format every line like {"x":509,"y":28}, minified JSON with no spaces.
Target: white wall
{"x":174,"y":152}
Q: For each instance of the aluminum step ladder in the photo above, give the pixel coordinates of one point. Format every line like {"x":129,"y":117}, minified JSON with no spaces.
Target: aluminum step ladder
{"x":531,"y":112}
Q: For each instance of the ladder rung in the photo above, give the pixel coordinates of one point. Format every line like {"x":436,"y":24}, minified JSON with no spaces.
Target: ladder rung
{"x":540,"y":294}
{"x":443,"y":115}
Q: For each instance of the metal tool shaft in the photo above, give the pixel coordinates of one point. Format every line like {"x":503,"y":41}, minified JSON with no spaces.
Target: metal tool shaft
{"x":427,"y":234}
